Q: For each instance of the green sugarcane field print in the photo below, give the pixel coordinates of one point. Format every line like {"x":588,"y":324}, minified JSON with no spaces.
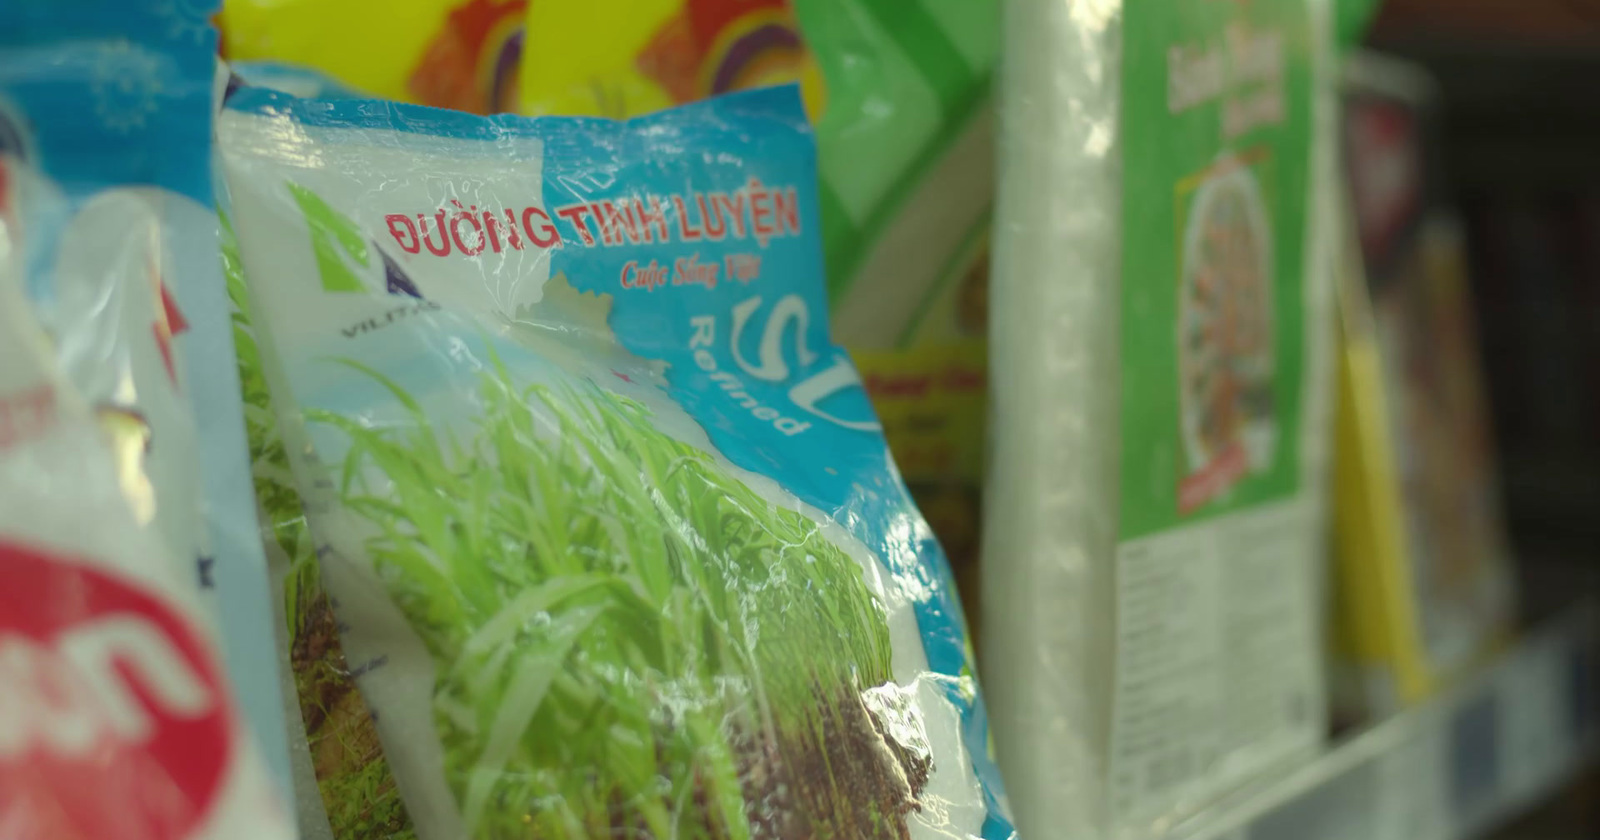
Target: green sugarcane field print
{"x":357,"y":787}
{"x":628,"y":640}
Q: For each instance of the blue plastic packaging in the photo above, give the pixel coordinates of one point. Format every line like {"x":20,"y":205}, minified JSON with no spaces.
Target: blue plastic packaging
{"x":106,"y":114}
{"x":590,"y":485}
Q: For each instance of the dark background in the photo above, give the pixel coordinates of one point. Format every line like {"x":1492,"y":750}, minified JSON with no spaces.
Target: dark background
{"x":1518,"y":149}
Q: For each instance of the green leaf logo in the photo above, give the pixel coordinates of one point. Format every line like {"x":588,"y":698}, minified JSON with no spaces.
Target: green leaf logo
{"x":334,"y":237}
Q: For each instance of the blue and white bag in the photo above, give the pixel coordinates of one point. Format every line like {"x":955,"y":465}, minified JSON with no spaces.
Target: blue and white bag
{"x":127,"y":525}
{"x":607,"y":522}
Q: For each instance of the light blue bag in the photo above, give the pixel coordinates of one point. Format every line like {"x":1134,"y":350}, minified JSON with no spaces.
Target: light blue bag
{"x":607,"y":522}
{"x":112,"y":102}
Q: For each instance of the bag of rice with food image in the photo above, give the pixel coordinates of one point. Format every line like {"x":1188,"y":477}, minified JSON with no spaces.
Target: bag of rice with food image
{"x":607,"y":525}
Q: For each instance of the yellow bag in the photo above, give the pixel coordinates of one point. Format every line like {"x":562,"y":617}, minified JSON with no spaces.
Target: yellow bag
{"x":619,"y":58}
{"x":445,"y":53}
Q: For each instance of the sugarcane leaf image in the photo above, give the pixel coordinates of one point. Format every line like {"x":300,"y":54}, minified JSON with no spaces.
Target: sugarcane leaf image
{"x":538,"y":668}
{"x":628,"y":640}
{"x":358,"y":790}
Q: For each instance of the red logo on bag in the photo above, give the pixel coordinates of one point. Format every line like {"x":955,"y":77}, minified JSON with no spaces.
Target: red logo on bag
{"x":113,"y":721}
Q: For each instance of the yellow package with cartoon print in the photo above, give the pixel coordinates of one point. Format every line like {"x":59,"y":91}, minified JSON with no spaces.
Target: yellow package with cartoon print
{"x":460,"y":54}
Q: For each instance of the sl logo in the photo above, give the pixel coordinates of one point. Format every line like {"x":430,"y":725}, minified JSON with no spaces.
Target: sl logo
{"x":771,"y":365}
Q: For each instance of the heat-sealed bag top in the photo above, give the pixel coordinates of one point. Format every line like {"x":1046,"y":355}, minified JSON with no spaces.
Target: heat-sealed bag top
{"x":110,"y":105}
{"x":607,"y":523}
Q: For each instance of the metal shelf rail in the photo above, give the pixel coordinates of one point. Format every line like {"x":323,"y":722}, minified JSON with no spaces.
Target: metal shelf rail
{"x":1452,"y":769}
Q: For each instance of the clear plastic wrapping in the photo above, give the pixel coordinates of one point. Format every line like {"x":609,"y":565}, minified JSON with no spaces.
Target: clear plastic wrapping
{"x":607,"y":528}
{"x":117,"y":720}
{"x":1053,"y":372}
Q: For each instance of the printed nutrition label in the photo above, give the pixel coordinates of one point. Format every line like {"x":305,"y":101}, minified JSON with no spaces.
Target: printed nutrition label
{"x":1212,"y":678}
